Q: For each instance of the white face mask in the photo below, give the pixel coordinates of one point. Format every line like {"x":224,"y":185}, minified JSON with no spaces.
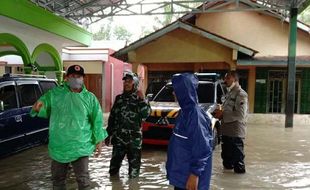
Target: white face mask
{"x":75,"y":83}
{"x":231,"y":86}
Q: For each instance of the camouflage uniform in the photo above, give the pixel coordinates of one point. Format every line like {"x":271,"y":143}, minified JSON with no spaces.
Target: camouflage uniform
{"x":124,"y":126}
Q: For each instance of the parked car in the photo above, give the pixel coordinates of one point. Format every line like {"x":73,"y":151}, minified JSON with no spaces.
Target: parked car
{"x":18,"y":130}
{"x":157,"y":128}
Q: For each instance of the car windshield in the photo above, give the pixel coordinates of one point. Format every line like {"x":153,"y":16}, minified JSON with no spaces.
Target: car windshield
{"x":205,"y":93}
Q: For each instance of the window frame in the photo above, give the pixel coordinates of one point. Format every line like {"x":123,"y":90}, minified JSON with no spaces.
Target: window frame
{"x":46,"y":81}
{"x":169,"y":84}
{"x":20,"y":83}
{"x":11,"y":83}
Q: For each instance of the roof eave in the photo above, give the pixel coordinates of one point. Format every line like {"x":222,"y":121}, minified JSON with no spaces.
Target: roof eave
{"x":145,"y":40}
{"x":303,"y":6}
{"x":179,"y":24}
{"x":218,"y":39}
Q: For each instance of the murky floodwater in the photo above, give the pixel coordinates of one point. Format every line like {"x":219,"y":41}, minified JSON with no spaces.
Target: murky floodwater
{"x":276,"y":158}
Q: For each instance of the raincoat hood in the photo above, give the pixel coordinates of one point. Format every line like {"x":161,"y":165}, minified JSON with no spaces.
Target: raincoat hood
{"x":185,"y":87}
{"x":190,"y":145}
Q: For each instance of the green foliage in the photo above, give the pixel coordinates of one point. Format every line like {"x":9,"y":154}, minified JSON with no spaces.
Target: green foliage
{"x":169,"y":18}
{"x":104,"y":32}
{"x":305,"y":16}
{"x":110,"y":31}
{"x":121,"y":33}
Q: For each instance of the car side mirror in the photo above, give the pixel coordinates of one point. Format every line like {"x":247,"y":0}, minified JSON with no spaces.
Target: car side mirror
{"x":1,"y":105}
{"x":223,"y":98}
{"x":149,"y":97}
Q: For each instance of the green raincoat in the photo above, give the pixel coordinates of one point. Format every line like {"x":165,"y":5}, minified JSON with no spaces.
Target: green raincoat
{"x":76,"y":123}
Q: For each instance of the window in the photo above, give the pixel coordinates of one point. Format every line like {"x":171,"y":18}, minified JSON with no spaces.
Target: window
{"x":276,"y":95}
{"x":46,"y":85}
{"x":8,"y":96}
{"x":29,"y":93}
{"x":8,"y":69}
{"x":277,"y":83}
{"x":205,"y":93}
{"x":220,"y":94}
{"x":165,"y":95}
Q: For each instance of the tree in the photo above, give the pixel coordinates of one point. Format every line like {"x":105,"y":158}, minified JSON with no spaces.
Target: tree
{"x":144,"y":31}
{"x":165,"y":20}
{"x":104,"y":32}
{"x":121,"y":33}
{"x":168,"y":18}
{"x":305,"y":16}
{"x":110,"y":31}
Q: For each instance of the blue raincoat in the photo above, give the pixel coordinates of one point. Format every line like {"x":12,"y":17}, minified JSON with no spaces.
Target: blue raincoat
{"x":190,"y":146}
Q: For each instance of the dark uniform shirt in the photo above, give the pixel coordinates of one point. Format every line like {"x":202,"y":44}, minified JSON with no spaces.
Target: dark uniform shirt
{"x":235,"y":110}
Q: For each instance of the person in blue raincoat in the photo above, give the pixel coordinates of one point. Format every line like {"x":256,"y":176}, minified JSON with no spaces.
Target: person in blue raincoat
{"x":189,"y":160}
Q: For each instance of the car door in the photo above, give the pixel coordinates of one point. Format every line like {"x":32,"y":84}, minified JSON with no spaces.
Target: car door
{"x":35,"y":129}
{"x":11,"y":133}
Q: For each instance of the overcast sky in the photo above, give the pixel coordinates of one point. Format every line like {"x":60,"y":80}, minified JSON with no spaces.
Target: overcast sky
{"x":133,"y":24}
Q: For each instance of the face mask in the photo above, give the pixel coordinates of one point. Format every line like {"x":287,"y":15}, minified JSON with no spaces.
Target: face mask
{"x":75,"y":83}
{"x":231,"y":86}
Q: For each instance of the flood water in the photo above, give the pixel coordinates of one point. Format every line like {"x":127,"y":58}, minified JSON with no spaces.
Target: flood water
{"x":276,"y":158}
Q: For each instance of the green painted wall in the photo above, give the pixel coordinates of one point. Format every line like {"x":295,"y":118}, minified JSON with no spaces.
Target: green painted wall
{"x":261,"y":90}
{"x":26,"y":12}
{"x":30,"y":60}
{"x":305,"y":91}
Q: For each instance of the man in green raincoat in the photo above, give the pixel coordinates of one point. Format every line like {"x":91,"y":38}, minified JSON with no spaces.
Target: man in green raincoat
{"x":75,"y":129}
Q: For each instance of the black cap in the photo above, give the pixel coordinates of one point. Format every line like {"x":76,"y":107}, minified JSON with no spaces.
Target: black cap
{"x":128,"y":76}
{"x":75,"y":69}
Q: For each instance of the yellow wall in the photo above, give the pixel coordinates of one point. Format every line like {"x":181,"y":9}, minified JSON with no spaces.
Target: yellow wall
{"x":2,"y":70}
{"x":181,"y":50}
{"x":181,"y":46}
{"x":251,"y":85}
{"x":90,"y":67}
{"x":261,"y":32}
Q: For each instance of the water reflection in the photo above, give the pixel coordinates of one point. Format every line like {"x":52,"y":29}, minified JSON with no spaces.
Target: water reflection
{"x":276,"y":158}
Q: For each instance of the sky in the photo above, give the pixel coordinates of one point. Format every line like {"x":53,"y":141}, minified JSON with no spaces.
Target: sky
{"x":133,"y":24}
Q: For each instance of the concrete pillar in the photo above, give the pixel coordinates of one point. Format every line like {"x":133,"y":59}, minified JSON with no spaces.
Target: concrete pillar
{"x":291,"y":69}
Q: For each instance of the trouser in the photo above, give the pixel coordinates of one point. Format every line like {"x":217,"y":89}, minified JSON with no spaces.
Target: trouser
{"x":134,"y":159}
{"x":177,"y":188}
{"x":80,"y":168}
{"x":233,"y":153}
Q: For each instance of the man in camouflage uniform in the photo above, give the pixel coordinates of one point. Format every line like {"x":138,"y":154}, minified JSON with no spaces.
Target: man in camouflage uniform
{"x":124,"y":126}
{"x":233,"y":128}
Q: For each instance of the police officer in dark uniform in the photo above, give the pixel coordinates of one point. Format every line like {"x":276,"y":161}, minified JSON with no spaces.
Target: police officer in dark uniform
{"x":124,"y":126}
{"x":233,"y":128}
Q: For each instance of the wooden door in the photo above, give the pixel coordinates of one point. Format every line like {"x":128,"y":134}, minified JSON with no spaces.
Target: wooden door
{"x":93,"y":83}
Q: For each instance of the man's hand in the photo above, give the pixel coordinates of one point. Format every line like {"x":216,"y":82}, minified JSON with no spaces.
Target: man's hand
{"x":140,"y":94}
{"x":107,"y":141}
{"x":98,"y":149}
{"x":192,"y":182}
{"x":37,"y":106}
{"x":218,"y":114}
